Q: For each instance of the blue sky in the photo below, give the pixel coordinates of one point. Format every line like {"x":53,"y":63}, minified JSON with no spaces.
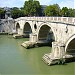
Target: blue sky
{"x":20,"y":3}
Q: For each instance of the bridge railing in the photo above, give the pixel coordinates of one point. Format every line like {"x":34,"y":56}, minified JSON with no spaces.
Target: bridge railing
{"x":69,"y":20}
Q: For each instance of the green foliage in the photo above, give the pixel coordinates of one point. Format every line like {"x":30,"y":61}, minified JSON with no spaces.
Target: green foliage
{"x":16,"y":12}
{"x":2,"y":13}
{"x":64,"y":12}
{"x":71,"y":12}
{"x":52,"y":10}
{"x":32,"y":8}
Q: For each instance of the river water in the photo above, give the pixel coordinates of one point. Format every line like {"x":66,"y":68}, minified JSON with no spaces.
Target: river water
{"x":16,"y":60}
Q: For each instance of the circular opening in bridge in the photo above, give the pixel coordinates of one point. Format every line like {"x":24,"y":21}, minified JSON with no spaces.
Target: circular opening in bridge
{"x":35,"y":27}
{"x":71,"y":47}
{"x":46,"y":34}
{"x":17,"y":27}
{"x":27,"y":29}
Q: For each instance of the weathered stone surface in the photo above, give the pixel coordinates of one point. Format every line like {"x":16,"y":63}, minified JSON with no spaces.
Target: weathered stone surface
{"x":16,"y":36}
{"x":28,"y":44}
{"x":62,"y":29}
{"x":7,"y":25}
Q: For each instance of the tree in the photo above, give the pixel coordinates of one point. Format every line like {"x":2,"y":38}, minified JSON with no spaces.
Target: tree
{"x":71,"y":12}
{"x":2,"y":13}
{"x":16,"y":12}
{"x":32,"y":8}
{"x":52,"y":10}
{"x":64,"y":12}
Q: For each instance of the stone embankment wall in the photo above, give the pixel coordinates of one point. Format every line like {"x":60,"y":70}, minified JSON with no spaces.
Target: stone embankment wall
{"x":7,"y":25}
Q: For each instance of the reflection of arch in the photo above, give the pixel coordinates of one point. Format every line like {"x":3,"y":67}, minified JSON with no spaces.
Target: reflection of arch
{"x":70,"y":45}
{"x":27,"y":29}
{"x":46,"y":33}
{"x":17,"y":27}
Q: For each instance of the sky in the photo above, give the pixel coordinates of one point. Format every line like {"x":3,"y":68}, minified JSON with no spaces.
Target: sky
{"x":20,"y":3}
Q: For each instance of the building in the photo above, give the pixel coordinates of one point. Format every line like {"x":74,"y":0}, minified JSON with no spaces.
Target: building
{"x":8,"y":12}
{"x":43,"y":8}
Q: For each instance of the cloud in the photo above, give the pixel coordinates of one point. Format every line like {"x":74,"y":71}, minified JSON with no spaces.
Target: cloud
{"x":67,"y":3}
{"x":20,"y":3}
{"x":61,"y":3}
{"x":45,"y":2}
{"x":74,"y":4}
{"x":11,"y":3}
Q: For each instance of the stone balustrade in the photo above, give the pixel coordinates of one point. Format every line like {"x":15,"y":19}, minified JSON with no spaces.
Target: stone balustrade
{"x":68,"y":20}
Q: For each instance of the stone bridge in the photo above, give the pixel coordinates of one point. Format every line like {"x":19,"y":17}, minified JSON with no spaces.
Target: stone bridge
{"x":60,"y":31}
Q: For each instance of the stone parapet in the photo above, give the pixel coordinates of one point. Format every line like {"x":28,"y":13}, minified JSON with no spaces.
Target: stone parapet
{"x":67,"y":20}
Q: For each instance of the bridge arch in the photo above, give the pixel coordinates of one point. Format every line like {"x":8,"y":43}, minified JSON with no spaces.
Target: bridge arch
{"x":27,"y":29}
{"x":46,"y":33}
{"x":17,"y":27}
{"x":70,"y":45}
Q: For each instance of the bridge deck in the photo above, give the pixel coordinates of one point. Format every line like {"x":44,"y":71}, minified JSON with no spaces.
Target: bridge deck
{"x":67,"y":20}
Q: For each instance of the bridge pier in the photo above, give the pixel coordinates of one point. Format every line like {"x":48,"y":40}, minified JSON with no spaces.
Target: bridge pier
{"x":32,"y":41}
{"x":33,"y":37}
{"x":57,"y":54}
{"x":58,"y":50}
{"x":19,"y":33}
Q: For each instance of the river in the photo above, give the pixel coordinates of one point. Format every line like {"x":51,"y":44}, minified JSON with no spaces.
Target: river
{"x":16,"y":60}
